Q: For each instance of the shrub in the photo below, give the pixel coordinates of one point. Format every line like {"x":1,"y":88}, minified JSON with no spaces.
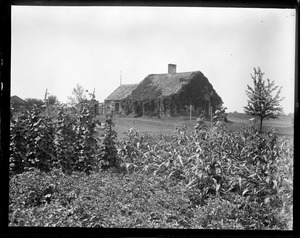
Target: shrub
{"x":68,"y":142}
{"x":65,"y":141}
{"x":32,"y":142}
{"x":86,"y":147}
{"x":108,"y":150}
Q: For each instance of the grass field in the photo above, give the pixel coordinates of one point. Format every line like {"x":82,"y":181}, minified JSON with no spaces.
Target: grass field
{"x":146,"y":125}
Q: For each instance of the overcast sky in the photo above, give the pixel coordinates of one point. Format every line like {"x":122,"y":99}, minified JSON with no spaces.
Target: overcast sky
{"x":56,"y":48}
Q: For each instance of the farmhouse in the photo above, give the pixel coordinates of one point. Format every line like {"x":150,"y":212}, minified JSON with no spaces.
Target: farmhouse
{"x":112,"y":102}
{"x":171,"y":94}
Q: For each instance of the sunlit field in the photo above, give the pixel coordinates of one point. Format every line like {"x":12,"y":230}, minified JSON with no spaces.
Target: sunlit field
{"x":283,"y":125}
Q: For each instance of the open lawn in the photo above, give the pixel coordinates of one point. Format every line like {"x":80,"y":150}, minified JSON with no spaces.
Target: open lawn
{"x":168,"y":125}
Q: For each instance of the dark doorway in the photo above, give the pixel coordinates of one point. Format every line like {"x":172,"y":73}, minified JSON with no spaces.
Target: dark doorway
{"x":116,"y":107}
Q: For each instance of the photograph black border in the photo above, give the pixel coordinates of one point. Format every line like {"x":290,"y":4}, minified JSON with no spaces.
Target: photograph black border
{"x":5,"y":78}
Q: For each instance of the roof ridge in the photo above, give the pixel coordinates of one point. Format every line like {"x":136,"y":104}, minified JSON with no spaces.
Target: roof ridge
{"x":177,"y":73}
{"x":128,"y":84}
{"x":121,"y":91}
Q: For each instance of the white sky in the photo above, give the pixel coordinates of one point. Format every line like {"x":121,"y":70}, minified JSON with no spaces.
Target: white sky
{"x":59,"y":47}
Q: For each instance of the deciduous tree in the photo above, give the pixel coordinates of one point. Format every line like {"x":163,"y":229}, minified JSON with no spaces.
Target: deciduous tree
{"x":78,"y":95}
{"x":52,"y":99}
{"x":264,"y":98}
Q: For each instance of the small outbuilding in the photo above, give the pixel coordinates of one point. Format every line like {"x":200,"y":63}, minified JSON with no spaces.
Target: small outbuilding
{"x":17,"y":103}
{"x":91,"y":104}
{"x":112,"y":102}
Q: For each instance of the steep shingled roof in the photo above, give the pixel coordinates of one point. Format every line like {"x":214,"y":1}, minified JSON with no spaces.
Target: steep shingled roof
{"x":121,"y":92}
{"x":157,"y":85}
{"x":170,"y":83}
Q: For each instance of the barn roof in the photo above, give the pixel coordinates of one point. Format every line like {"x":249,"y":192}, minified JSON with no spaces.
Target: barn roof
{"x":121,"y":92}
{"x":157,"y":85}
{"x":17,"y":100}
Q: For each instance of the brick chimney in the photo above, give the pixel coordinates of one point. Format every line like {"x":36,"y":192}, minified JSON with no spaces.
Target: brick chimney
{"x":171,"y":68}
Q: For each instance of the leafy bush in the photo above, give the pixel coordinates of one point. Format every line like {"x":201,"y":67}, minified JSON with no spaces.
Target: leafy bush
{"x":218,"y":162}
{"x":108,"y":149}
{"x":86,"y":146}
{"x":69,"y":142}
{"x":32,"y":141}
{"x":104,"y":199}
{"x":65,"y":141}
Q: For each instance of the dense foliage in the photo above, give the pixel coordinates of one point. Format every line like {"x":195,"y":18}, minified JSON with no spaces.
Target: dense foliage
{"x":210,"y":178}
{"x":68,"y":142}
{"x":31,"y":141}
{"x":34,"y":102}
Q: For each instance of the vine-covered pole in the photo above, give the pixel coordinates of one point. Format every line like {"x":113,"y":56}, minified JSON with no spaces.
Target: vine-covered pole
{"x":92,"y":96}
{"x":46,"y":101}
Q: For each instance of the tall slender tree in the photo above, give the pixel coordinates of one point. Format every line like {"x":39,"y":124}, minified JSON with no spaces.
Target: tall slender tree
{"x":264,"y":98}
{"x":52,"y":99}
{"x":78,"y":95}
